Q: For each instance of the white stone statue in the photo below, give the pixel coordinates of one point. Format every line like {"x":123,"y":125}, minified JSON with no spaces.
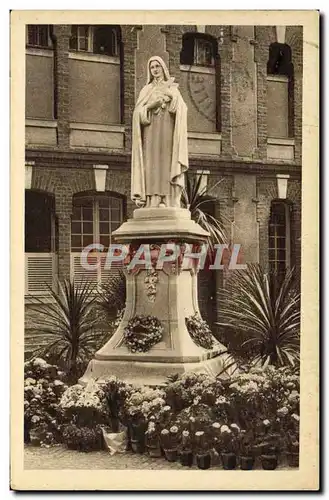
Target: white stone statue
{"x":159,"y":140}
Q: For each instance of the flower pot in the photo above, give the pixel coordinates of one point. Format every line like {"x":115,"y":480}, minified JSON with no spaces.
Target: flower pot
{"x":293,"y":459}
{"x":186,"y":458}
{"x":269,"y":462}
{"x":35,"y":438}
{"x":203,"y":461}
{"x":154,"y":451}
{"x":137,"y":445}
{"x":246,"y":463}
{"x":171,"y":455}
{"x":229,"y":461}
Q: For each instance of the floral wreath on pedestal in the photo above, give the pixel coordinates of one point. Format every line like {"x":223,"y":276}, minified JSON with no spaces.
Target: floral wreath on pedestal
{"x":142,"y":333}
{"x":199,"y":331}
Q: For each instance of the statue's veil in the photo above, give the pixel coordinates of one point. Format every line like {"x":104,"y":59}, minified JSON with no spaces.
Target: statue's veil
{"x":163,"y":65}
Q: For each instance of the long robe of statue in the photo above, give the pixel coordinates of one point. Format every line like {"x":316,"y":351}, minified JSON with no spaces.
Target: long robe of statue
{"x":159,"y":148}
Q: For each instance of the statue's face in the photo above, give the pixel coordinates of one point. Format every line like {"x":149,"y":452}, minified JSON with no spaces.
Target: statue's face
{"x":156,"y":69}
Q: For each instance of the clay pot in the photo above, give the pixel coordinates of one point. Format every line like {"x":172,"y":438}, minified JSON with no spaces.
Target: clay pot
{"x":186,"y":458}
{"x":154,"y":451}
{"x":171,"y":454}
{"x":246,"y":463}
{"x":269,"y":462}
{"x":137,"y":445}
{"x":229,"y":461}
{"x":293,"y":459}
{"x":203,"y":461}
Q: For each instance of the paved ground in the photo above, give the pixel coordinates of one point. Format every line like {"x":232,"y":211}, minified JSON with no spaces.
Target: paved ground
{"x":59,"y":457}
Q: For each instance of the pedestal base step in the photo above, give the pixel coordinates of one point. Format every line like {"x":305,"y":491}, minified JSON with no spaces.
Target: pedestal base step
{"x":151,"y":374}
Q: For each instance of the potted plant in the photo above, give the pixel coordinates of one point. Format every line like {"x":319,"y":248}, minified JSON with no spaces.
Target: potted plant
{"x":269,"y":448}
{"x":203,"y":446}
{"x":185,"y":449}
{"x":292,"y":446}
{"x":227,"y":447}
{"x":152,"y":439}
{"x":246,"y":452}
{"x":169,"y":442}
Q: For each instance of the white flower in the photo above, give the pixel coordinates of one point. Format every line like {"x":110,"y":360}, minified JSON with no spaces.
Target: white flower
{"x":35,"y":419}
{"x":283,"y":411}
{"x":266,"y":422}
{"x":236,"y":427}
{"x":199,"y":433}
{"x":295,"y":417}
{"x":216,"y":425}
{"x":221,"y":400}
{"x":164,"y":432}
{"x":192,"y":419}
{"x":30,"y":381}
{"x":185,"y":433}
{"x":174,"y":429}
{"x":225,"y":428}
{"x":167,"y":408}
{"x":196,"y":400}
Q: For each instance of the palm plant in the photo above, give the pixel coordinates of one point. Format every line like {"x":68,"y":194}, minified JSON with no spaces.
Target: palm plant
{"x":198,"y":200}
{"x":112,"y":295}
{"x":65,"y":329}
{"x":263,"y":312}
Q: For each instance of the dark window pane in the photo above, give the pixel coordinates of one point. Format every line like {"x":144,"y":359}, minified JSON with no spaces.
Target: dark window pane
{"x":88,"y":228}
{"x":75,"y":241}
{"x":104,"y":202}
{"x":281,"y":230}
{"x":104,"y":228}
{"x":282,"y":255}
{"x":115,"y":203}
{"x":104,"y":214}
{"x":271,"y":254}
{"x":88,"y":240}
{"x":87,"y":214}
{"x":115,"y":215}
{"x":115,"y":225}
{"x":76,"y":213}
{"x":105,"y":240}
{"x":76,"y":227}
{"x":281,"y":242}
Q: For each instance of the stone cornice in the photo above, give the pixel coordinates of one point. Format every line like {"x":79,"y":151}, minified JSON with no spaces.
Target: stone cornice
{"x":121,"y":160}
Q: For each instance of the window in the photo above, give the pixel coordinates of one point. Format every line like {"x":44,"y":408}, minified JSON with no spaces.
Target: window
{"x":280,"y":92}
{"x":94,"y":218}
{"x":203,"y":52}
{"x":198,"y":49}
{"x":100,"y":39}
{"x":279,"y":237}
{"x":39,"y":222}
{"x":80,"y":38}
{"x":38,"y":35}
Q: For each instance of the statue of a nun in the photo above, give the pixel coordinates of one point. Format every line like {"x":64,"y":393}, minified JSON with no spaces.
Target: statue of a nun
{"x":159,"y":145}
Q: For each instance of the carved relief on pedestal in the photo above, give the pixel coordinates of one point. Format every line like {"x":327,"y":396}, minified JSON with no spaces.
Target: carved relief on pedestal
{"x":151,"y":279}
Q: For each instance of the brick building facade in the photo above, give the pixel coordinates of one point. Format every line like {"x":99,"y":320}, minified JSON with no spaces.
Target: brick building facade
{"x":243,"y":89}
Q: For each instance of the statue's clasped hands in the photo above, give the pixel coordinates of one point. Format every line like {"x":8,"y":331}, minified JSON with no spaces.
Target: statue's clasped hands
{"x":160,"y":100}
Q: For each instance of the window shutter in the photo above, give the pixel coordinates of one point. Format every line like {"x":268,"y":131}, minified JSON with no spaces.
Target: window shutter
{"x":80,"y":274}
{"x":110,"y":272}
{"x":187,"y":52}
{"x":40,"y":271}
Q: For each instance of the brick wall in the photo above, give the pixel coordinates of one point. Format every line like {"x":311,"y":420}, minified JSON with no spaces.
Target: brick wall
{"x":62,"y":36}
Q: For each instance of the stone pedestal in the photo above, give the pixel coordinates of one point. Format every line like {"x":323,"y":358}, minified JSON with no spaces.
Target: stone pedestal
{"x":171,"y":297}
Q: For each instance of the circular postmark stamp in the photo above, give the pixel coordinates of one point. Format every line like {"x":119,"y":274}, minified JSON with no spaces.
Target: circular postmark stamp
{"x":201,"y":88}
